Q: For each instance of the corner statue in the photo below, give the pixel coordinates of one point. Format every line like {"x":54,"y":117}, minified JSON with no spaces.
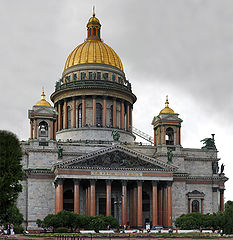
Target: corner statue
{"x":169,"y":156}
{"x":115,"y":135}
{"x":209,"y":143}
{"x":60,"y":152}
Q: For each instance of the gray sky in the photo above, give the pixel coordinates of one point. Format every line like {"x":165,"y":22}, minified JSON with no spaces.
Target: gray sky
{"x":180,"y":48}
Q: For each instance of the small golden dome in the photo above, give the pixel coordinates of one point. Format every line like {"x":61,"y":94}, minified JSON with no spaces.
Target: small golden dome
{"x":167,"y":109}
{"x":93,"y":50}
{"x":93,"y":19}
{"x":43,"y":102}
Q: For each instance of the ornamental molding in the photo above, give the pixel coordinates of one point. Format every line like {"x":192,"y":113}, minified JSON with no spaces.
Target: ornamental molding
{"x":207,"y":178}
{"x":35,"y":171}
{"x":202,"y":159}
{"x":165,"y":155}
{"x":118,"y":158}
{"x":41,"y":150}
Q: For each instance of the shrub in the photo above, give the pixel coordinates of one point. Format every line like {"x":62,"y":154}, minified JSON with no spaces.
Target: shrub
{"x":97,"y":223}
{"x":111,"y":221}
{"x":62,"y":230}
{"x":18,"y":229}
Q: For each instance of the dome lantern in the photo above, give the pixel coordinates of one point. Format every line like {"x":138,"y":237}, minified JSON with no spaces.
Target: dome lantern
{"x":93,"y":27}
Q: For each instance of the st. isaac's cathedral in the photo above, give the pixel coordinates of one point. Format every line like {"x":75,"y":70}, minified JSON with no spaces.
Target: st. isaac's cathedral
{"x":82,"y":156}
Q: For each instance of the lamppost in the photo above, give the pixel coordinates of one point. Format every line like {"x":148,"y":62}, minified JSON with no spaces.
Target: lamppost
{"x":117,"y":203}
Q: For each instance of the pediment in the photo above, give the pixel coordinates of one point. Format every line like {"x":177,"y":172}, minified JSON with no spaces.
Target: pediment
{"x":116,"y":157}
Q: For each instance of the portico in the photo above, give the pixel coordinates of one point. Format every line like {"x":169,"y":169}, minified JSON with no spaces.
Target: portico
{"x":134,"y":194}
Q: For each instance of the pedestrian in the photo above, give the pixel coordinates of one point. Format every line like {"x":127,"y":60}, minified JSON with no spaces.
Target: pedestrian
{"x":12,"y":229}
{"x":8,"y":229}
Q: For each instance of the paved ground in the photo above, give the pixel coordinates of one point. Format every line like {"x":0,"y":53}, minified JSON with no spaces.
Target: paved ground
{"x":20,"y":237}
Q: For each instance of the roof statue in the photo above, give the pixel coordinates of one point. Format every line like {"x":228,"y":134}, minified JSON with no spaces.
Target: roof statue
{"x":209,"y":143}
{"x":169,"y":156}
{"x":115,"y":135}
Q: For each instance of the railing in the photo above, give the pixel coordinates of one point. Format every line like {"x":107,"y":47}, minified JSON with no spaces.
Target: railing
{"x":143,"y":135}
{"x":84,"y":83}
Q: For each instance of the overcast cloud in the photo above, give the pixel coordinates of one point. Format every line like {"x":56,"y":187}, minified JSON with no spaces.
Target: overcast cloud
{"x":183,"y":48}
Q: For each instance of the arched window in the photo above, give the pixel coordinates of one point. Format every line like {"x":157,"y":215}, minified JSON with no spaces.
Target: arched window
{"x":195,"y":206}
{"x":80,"y":115}
{"x":169,"y":136}
{"x":89,"y":32}
{"x":69,"y":117}
{"x":43,"y":129}
{"x":99,"y":114}
{"x":111,"y":115}
{"x":94,"y":31}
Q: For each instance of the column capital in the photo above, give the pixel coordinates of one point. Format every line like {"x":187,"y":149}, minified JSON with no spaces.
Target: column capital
{"x":221,"y":190}
{"x":83,"y":97}
{"x":139,"y":182}
{"x":108,"y":181}
{"x":76,"y":181}
{"x":169,"y":184}
{"x":124,"y":182}
{"x":154,"y":183}
{"x":60,"y":181}
{"x":94,"y":97}
{"x":92,"y":181}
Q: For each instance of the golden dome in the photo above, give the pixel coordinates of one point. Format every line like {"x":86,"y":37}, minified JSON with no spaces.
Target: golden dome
{"x":167,"y":109}
{"x":93,"y":50}
{"x":43,"y":102}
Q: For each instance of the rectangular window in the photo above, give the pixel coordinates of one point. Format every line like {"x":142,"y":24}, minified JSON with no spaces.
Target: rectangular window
{"x":98,"y":75}
{"x":90,"y":75}
{"x":83,"y":75}
{"x":74,"y":76}
{"x":105,"y":76}
{"x":120,"y":80}
{"x":114,"y":77}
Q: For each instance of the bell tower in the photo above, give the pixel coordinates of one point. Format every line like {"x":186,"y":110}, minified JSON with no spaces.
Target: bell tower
{"x":42,"y":120}
{"x":167,"y":130}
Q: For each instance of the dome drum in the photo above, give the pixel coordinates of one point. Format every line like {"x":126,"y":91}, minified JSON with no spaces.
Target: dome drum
{"x":94,"y":67}
{"x":91,"y":112}
{"x":97,"y":135}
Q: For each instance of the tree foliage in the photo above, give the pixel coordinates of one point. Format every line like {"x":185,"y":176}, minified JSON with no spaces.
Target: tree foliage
{"x":219,"y":220}
{"x":10,"y":170}
{"x":74,"y":221}
{"x":12,"y":215}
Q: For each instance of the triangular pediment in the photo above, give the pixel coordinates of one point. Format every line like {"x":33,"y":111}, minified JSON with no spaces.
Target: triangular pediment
{"x":116,"y":157}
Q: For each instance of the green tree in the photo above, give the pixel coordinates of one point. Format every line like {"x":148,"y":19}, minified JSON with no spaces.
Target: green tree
{"x":11,"y":171}
{"x":228,"y":218}
{"x":12,"y":215}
